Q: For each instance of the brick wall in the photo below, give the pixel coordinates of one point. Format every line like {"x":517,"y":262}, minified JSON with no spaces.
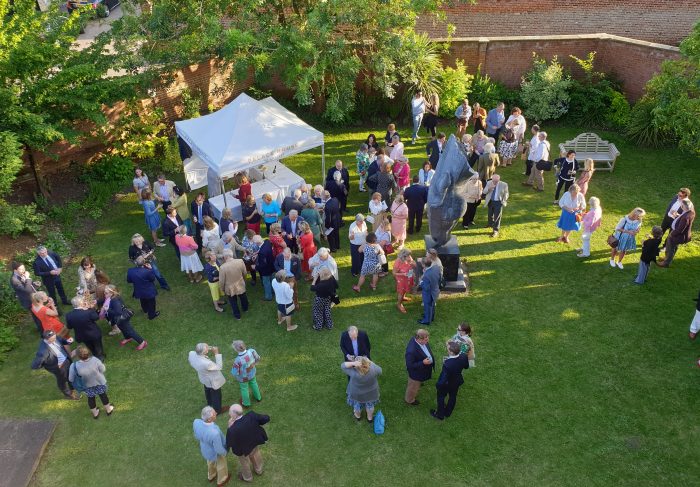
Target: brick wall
{"x":507,"y":59}
{"x":662,"y":21}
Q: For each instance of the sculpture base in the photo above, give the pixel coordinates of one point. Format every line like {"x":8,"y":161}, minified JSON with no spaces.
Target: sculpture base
{"x":454,"y":271}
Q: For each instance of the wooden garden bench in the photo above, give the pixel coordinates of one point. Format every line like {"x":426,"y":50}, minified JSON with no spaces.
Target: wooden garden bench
{"x":590,"y":146}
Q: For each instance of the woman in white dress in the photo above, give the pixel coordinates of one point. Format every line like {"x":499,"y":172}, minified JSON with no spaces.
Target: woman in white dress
{"x":210,"y":234}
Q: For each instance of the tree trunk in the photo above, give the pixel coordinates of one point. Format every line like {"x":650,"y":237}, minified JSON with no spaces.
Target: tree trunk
{"x":38,"y":179}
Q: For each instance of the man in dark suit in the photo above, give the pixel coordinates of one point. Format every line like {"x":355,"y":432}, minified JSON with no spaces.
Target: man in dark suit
{"x":332,"y":219}
{"x":374,"y":169}
{"x":419,"y":364}
{"x":291,"y":229}
{"x":48,"y":266}
{"x":200,"y":208}
{"x":292,"y":203}
{"x":416,"y":196}
{"x":53,"y":356}
{"x":171,"y":223}
{"x":672,"y":210}
{"x":265,"y":265}
{"x":244,"y":436}
{"x":450,"y":381}
{"x":143,"y":279}
{"x":291,"y":264}
{"x":24,"y":287}
{"x":354,"y":343}
{"x":681,"y":231}
{"x":83,"y":320}
{"x":434,"y":149}
{"x":430,"y":289}
{"x":344,"y":175}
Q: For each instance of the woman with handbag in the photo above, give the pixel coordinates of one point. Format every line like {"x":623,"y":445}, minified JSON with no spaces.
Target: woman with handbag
{"x":118,"y":314}
{"x":624,"y":238}
{"x":89,"y":372}
{"x":372,"y":262}
{"x":399,"y":217}
{"x":403,"y":273}
{"x":326,"y":288}
{"x":363,"y":386}
{"x":572,"y":205}
{"x":383,"y":233}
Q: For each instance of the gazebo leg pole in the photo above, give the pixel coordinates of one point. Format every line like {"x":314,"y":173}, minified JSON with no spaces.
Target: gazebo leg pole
{"x":323,"y":162}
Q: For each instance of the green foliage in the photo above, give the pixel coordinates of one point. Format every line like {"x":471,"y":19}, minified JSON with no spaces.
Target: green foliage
{"x":137,"y":132}
{"x":618,"y":115}
{"x":110,"y":169}
{"x":420,"y":65}
{"x":10,"y":161}
{"x":101,"y":11}
{"x":642,"y":129}
{"x":10,"y":311}
{"x":488,"y":93}
{"x":191,"y":103}
{"x":57,"y":241}
{"x":17,"y":219}
{"x":544,"y":90}
{"x":456,"y":85}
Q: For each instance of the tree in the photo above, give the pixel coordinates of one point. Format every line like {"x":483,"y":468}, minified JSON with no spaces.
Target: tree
{"x":48,"y":87}
{"x":545,"y":90}
{"x":318,"y":48}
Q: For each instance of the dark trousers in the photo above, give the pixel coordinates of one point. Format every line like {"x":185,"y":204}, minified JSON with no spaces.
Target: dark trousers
{"x":495,"y":213}
{"x":334,"y":240}
{"x":213,"y":397}
{"x":292,"y":244}
{"x":561,"y":183}
{"x":528,"y":166}
{"x":92,"y":404}
{"x":671,"y":249}
{"x":128,"y":331}
{"x":356,"y":259}
{"x":469,"y":215}
{"x":417,"y":217}
{"x":428,"y":307}
{"x":95,"y":346}
{"x":53,"y":285}
{"x":148,"y":305}
{"x":445,"y":410}
{"x":234,"y":304}
{"x":197,"y":235}
{"x":171,"y":239}
{"x":61,"y":374}
{"x":666,"y":225}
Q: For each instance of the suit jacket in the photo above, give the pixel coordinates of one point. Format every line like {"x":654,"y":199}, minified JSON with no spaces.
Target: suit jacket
{"x":247,"y":433}
{"x":232,"y":277}
{"x":23,"y":290}
{"x":169,"y":185}
{"x":291,"y":203}
{"x":416,"y":196}
{"x":670,"y":205}
{"x":331,"y":214}
{"x":371,"y":170}
{"x":451,"y":375}
{"x":433,"y":151}
{"x":84,"y":322}
{"x":503,"y":188}
{"x":417,"y":370}
{"x":344,"y":174}
{"x":206,"y":211}
{"x":143,"y":280}
{"x":208,"y":371}
{"x":337,"y":190}
{"x":295,"y":267}
{"x":169,"y":228}
{"x":363,"y":345}
{"x":42,"y":269}
{"x":430,"y":281}
{"x":46,"y":359}
{"x":287,"y":227}
{"x":683,"y":231}
{"x":486,"y":165}
{"x":265,"y":264}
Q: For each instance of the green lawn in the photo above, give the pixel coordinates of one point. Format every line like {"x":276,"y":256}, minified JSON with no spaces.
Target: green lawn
{"x":582,"y":378}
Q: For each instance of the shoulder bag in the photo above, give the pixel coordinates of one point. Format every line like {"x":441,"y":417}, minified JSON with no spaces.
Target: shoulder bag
{"x":77,"y":383}
{"x":613,"y":241}
{"x":543,"y":165}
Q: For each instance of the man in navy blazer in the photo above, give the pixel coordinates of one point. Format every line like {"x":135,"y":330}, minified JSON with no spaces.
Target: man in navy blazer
{"x":434,"y":149}
{"x":354,"y":343}
{"x":53,"y":357}
{"x":265,"y":265}
{"x":200,"y":208}
{"x":344,"y":174}
{"x":419,"y":364}
{"x":143,"y":279}
{"x":294,"y":263}
{"x":333,"y":219}
{"x":450,"y":381}
{"x":430,"y":289}
{"x":48,"y":266}
{"x":291,"y":229}
{"x":416,"y":196}
{"x":171,"y":223}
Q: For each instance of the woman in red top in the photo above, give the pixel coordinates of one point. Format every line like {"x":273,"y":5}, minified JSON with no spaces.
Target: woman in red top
{"x":44,"y":309}
{"x":308,"y":247}
{"x":403,"y":273}
{"x":402,"y":173}
{"x":275,"y":237}
{"x":244,"y":190}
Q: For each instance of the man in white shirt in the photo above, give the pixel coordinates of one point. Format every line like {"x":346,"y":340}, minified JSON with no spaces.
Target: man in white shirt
{"x":417,"y":111}
{"x":531,"y":146}
{"x":538,"y":152}
{"x":496,"y":197}
{"x":53,"y":356}
{"x":209,"y":373}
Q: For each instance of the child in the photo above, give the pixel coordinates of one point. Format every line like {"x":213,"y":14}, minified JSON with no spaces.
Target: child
{"x":463,"y":337}
{"x":650,"y":250}
{"x":591,"y":222}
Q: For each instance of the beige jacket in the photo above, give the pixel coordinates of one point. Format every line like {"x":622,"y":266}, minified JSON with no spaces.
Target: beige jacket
{"x":473,"y":190}
{"x":232,"y":277}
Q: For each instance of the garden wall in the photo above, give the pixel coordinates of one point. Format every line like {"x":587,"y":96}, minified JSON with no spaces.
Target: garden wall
{"x":665,"y":21}
{"x":506,"y":59}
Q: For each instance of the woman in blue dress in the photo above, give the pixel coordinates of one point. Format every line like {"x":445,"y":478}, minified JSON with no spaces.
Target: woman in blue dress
{"x":572,"y":204}
{"x":626,"y":232}
{"x":150,"y":211}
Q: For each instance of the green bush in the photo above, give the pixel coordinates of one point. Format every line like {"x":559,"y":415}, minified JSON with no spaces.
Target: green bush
{"x":643,"y":130}
{"x":10,"y":312}
{"x":109,"y":169}
{"x":618,"y":115}
{"x":545,"y":90}
{"x":488,"y":93}
{"x":10,"y":161}
{"x":16,"y":219}
{"x":455,"y":85}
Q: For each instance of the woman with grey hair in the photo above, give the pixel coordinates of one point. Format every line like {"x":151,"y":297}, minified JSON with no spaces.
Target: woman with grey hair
{"x":326,"y":287}
{"x":284,"y":296}
{"x":244,"y":371}
{"x":363,"y":387}
{"x":487,"y":163}
{"x":323,"y":259}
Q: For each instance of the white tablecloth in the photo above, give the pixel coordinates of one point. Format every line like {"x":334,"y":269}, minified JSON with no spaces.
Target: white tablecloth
{"x":280,"y":175}
{"x":217,"y":205}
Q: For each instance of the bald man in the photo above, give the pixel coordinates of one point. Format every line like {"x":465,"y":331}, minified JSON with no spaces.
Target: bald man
{"x":244,"y":436}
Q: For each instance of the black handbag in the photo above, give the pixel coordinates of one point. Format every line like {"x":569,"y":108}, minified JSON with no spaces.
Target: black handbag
{"x":544,"y":165}
{"x":335,"y":299}
{"x":126,"y":315}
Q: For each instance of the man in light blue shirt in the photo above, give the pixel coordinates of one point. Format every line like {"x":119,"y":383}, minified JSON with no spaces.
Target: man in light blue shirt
{"x":495,"y":120}
{"x":212,"y":444}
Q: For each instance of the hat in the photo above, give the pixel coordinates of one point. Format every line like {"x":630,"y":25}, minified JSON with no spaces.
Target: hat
{"x":48,"y":334}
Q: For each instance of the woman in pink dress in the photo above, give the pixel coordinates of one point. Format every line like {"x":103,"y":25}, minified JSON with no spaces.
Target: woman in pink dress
{"x":189,"y":260}
{"x":308,"y":247}
{"x":403,"y":273}
{"x":402,"y":173}
{"x":399,"y":215}
{"x":586,"y":175}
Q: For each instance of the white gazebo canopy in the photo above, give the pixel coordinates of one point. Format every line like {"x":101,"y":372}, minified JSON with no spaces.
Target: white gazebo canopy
{"x":243,"y":134}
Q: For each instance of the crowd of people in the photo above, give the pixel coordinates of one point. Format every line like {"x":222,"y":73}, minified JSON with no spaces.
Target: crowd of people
{"x":302,"y":233}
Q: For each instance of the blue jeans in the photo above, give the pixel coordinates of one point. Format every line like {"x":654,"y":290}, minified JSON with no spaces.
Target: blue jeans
{"x":428,"y":307}
{"x":161,"y":280}
{"x":188,"y":225}
{"x":642,"y":273}
{"x":267,"y":286}
{"x":417,"y":119}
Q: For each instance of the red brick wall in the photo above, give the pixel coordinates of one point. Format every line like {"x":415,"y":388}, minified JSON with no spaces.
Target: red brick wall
{"x":662,"y":21}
